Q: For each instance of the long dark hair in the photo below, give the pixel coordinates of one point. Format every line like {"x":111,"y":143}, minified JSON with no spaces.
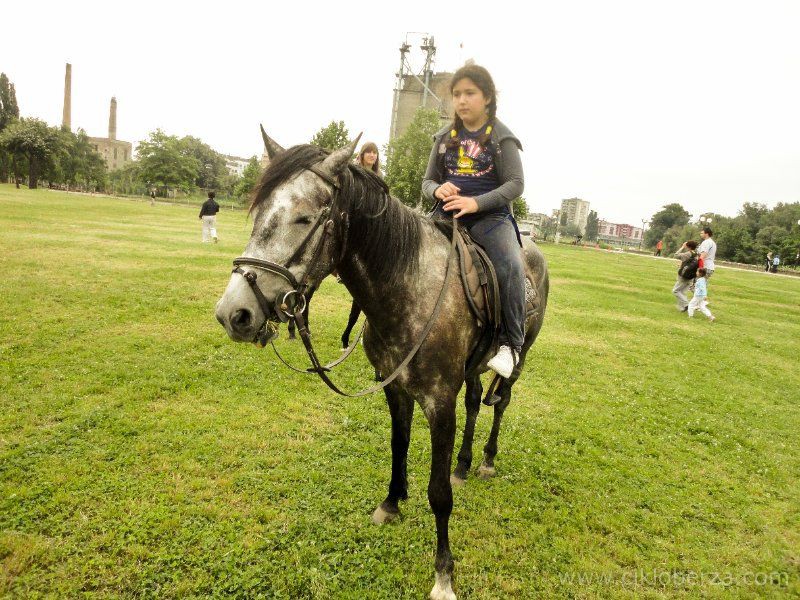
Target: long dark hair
{"x":370,"y":147}
{"x":483,"y":80}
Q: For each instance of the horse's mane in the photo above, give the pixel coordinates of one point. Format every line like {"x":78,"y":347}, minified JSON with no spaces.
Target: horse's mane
{"x":380,"y":228}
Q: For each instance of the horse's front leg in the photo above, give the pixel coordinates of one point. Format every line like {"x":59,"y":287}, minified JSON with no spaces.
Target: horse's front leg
{"x":401,"y":408}
{"x":442,"y":421}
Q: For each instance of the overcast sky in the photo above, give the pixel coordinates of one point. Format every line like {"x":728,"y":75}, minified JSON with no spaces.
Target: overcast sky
{"x":627,"y":104}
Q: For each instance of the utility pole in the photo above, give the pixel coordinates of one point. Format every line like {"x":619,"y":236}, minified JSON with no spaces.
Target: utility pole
{"x":398,"y":86}
{"x":430,"y":50}
{"x":641,"y":239}
{"x":403,"y":93}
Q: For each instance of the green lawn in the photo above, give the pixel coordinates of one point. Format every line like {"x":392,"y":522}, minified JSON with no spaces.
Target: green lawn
{"x":143,"y":454}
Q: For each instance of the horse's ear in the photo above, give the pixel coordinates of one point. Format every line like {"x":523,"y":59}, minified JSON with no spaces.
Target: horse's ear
{"x":272,"y":147}
{"x":339,"y":159}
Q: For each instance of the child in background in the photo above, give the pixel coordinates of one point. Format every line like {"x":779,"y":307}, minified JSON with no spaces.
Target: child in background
{"x":698,"y":301}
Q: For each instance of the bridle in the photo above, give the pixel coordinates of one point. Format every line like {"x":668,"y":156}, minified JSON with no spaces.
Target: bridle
{"x":299,"y":288}
{"x":285,"y":311}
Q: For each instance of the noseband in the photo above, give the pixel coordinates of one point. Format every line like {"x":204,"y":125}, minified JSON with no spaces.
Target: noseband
{"x":299,"y":289}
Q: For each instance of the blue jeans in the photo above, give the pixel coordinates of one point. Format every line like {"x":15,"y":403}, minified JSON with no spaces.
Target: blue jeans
{"x":497,"y":233}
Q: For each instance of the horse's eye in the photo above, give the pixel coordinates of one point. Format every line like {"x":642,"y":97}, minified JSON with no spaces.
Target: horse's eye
{"x":302,"y":221}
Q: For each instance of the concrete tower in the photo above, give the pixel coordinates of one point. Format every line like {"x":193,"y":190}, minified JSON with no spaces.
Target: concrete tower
{"x":66,"y":120}
{"x":112,"y":120}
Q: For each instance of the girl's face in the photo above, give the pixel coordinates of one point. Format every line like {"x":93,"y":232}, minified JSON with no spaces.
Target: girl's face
{"x":369,"y":158}
{"x":469,"y":102}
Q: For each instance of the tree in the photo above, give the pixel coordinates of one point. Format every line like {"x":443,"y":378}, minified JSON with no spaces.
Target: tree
{"x":127,"y":180}
{"x":520,"y":208}
{"x":571,"y":230}
{"x":592,"y":226}
{"x":9,"y":112}
{"x":548,"y":227}
{"x":332,"y":137}
{"x":407,"y":159}
{"x":250,"y":177}
{"x":76,"y":162}
{"x":771,"y":238}
{"x":676,"y":235}
{"x":165,"y":162}
{"x":33,"y":141}
{"x":751,"y":216}
{"x":734,"y":242}
{"x":669,"y":216}
{"x":211,"y":164}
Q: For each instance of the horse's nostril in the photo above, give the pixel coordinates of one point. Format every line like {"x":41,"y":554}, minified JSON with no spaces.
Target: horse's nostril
{"x":241,"y":319}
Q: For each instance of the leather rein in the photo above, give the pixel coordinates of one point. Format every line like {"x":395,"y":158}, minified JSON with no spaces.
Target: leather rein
{"x":285,"y":311}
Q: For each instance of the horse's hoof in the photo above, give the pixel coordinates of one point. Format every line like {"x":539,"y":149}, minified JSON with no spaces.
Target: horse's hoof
{"x":456,"y":481}
{"x":443,"y":589}
{"x":486,"y":472}
{"x":291,"y":338}
{"x":384,"y":517}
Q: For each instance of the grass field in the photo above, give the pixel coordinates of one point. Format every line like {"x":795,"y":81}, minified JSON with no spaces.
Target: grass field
{"x":143,"y":454}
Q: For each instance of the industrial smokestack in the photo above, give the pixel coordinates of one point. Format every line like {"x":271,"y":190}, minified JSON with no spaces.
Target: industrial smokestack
{"x":112,"y":120}
{"x":66,"y":120}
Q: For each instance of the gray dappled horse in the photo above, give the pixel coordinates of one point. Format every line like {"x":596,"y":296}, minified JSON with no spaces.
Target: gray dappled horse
{"x":393,"y":261}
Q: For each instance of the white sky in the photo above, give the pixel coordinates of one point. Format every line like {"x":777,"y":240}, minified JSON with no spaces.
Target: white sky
{"x":627,"y":104}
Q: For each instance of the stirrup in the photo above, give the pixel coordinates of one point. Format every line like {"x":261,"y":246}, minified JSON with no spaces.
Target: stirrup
{"x":492,"y":397}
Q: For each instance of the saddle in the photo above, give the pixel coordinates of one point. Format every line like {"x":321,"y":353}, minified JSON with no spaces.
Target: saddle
{"x":479,"y":280}
{"x":483,"y":297}
{"x":482,"y":291}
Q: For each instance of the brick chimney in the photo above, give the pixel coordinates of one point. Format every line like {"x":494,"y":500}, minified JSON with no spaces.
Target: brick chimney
{"x":112,"y":120}
{"x":66,"y":120}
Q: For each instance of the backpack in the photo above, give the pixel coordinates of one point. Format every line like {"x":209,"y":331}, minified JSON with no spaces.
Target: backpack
{"x":688,"y":268}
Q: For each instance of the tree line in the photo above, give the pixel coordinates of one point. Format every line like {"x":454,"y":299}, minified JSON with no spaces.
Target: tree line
{"x":33,"y":151}
{"x":745,"y":238}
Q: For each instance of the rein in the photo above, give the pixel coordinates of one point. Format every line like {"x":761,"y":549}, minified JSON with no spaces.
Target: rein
{"x":282,"y":308}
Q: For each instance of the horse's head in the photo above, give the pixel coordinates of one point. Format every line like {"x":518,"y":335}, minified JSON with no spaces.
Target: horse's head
{"x":297,"y":228}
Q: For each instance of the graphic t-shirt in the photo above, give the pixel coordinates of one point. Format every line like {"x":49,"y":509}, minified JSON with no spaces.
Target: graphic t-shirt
{"x":471,"y":166}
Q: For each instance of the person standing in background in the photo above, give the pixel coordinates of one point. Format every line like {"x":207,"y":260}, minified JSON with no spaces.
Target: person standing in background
{"x":208,"y":214}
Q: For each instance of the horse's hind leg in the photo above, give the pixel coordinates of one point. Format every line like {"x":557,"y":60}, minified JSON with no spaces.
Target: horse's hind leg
{"x":355,"y":310}
{"x":487,"y":469}
{"x":401,"y":408}
{"x":472,"y":402}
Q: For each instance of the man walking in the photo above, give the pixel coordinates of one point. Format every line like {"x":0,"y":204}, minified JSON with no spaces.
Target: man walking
{"x":687,"y":254}
{"x":208,"y":213}
{"x":659,"y":246}
{"x":707,"y":251}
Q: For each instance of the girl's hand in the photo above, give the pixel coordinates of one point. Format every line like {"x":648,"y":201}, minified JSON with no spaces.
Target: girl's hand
{"x":446,"y":190}
{"x":463,"y":204}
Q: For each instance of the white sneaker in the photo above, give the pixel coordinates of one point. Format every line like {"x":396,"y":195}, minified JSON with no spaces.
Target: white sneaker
{"x":503,"y":362}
